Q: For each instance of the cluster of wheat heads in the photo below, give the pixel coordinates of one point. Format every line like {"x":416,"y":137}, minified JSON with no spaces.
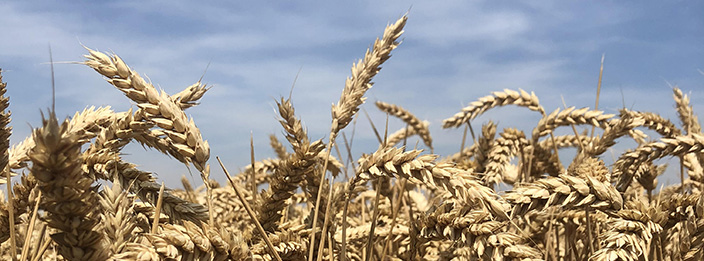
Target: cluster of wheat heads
{"x":77,"y":199}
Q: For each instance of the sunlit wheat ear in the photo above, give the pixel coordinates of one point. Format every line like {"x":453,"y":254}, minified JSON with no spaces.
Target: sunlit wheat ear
{"x":103,"y":160}
{"x":69,"y":198}
{"x":568,"y":117}
{"x":363,"y":72}
{"x":510,"y":144}
{"x":689,"y":120}
{"x":179,"y":136}
{"x":616,"y":129}
{"x":630,"y":233}
{"x":291,"y":170}
{"x":506,"y":97}
{"x":410,"y":119}
{"x":348,"y":105}
{"x":625,"y":167}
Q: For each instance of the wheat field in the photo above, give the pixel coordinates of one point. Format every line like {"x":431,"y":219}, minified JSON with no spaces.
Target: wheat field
{"x":75,"y":198}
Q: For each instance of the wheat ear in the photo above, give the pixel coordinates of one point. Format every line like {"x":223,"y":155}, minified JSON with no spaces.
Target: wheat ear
{"x":654,"y":122}
{"x":410,"y":119}
{"x":102,"y":160}
{"x":69,"y":198}
{"x":8,"y":217}
{"x":290,"y":171}
{"x":5,"y":129}
{"x":118,"y":217}
{"x":616,"y":129}
{"x":85,"y":125}
{"x":568,"y":117}
{"x":179,"y":132}
{"x":510,"y":143}
{"x":626,"y":165}
{"x":350,"y":100}
{"x":421,"y":170}
{"x":690,"y":122}
{"x":507,"y":97}
{"x":279,"y":148}
{"x":629,"y":236}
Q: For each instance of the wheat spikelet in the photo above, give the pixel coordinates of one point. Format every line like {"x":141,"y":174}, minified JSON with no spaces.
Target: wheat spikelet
{"x":507,"y":97}
{"x":68,"y":195}
{"x":189,"y":97}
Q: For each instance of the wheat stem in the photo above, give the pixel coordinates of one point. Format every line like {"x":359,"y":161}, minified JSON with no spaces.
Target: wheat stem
{"x":250,"y":212}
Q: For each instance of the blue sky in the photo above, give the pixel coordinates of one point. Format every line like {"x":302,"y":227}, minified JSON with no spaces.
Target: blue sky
{"x":453,"y":52}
